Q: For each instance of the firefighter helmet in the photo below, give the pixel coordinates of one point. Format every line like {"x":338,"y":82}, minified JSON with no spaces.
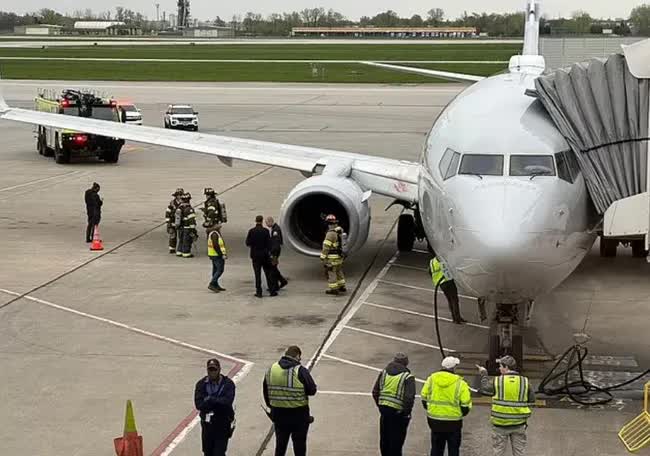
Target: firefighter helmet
{"x":209,"y":191}
{"x":179,"y":192}
{"x":331,"y":218}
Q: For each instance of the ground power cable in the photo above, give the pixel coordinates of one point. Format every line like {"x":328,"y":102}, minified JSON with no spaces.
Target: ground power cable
{"x":310,"y":366}
{"x":581,"y":391}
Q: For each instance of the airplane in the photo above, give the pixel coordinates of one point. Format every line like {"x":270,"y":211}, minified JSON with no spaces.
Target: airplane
{"x":497,"y":192}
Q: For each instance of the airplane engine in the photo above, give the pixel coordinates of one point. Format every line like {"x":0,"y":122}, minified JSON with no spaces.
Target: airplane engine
{"x":303,"y":213}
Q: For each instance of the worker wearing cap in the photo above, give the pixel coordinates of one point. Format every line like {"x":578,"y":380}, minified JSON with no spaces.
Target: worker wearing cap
{"x":186,"y":216}
{"x":214,"y":395}
{"x":446,"y":398}
{"x":332,"y":256}
{"x":442,"y":279}
{"x":394,"y":395}
{"x":512,"y":397}
{"x":169,"y":219}
{"x":286,"y":389}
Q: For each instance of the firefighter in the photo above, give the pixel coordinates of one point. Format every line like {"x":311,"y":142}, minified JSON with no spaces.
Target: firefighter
{"x":213,"y":211}
{"x":332,"y":256}
{"x":169,"y":218}
{"x":185,"y":221}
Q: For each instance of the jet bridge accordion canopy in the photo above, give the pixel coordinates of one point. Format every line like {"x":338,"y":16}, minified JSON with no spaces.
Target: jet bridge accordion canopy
{"x":602,"y":111}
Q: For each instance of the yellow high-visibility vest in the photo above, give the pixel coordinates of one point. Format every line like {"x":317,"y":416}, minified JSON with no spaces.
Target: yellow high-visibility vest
{"x":444,"y":394}
{"x":510,"y":405}
{"x":222,"y":246}
{"x":285,"y":388}
{"x":391,"y":389}
{"x":437,"y":274}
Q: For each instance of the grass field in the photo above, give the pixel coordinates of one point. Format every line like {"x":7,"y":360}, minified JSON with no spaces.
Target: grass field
{"x":222,"y":72}
{"x":281,"y":51}
{"x":252,"y":71}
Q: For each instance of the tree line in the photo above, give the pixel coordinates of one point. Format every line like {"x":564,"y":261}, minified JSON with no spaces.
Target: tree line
{"x":280,"y":24}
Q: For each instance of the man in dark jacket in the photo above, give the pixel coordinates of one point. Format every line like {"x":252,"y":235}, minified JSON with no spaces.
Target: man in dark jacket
{"x":93,"y":209}
{"x":394,"y":395}
{"x":214,"y":395}
{"x":286,"y":388}
{"x":259,"y":241}
{"x":276,"y":249}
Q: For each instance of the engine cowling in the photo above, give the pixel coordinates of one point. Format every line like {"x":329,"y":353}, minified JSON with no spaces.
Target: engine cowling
{"x":302,"y":215}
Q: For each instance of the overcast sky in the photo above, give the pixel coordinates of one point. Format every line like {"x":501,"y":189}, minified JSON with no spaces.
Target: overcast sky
{"x":208,"y":9}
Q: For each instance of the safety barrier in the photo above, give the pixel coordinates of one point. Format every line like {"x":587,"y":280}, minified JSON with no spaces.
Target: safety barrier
{"x":636,"y":434}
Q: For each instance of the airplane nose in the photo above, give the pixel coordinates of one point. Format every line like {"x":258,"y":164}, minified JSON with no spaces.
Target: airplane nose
{"x":499,"y":230}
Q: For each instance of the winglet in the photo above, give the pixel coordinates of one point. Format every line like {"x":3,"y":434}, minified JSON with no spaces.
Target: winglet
{"x":3,"y":106}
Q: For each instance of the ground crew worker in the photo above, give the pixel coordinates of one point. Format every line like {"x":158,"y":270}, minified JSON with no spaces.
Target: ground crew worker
{"x":448,"y":286}
{"x":446,"y":398}
{"x":214,"y":395}
{"x":394,"y":394}
{"x":93,"y":210}
{"x":186,"y":220}
{"x":332,"y":256}
{"x":213,"y":211}
{"x":512,"y":397}
{"x":258,"y":240}
{"x":276,"y":249}
{"x":286,"y":388}
{"x":218,"y":254}
{"x":169,"y":219}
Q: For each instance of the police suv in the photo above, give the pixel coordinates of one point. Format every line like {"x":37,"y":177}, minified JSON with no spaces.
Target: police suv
{"x":181,"y":116}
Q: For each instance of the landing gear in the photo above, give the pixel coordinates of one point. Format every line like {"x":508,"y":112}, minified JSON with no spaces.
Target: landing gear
{"x":505,"y":337}
{"x":405,"y":233}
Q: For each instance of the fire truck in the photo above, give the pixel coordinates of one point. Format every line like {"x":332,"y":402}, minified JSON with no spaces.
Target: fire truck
{"x":64,"y":145}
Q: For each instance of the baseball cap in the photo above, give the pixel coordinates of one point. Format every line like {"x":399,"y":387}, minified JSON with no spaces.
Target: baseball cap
{"x":213,"y":362}
{"x":450,"y":362}
{"x":507,"y":361}
{"x":401,"y":358}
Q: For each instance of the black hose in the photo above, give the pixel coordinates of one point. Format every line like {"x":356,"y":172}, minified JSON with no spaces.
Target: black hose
{"x":435,"y":313}
{"x":580,"y":389}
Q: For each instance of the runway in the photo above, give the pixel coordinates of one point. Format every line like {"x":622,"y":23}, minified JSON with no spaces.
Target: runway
{"x":88,"y":333}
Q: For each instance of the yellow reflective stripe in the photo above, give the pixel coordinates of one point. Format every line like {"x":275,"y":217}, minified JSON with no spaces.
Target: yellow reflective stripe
{"x":192,"y":215}
{"x":328,"y":243}
{"x":211,"y":208}
{"x":510,"y":403}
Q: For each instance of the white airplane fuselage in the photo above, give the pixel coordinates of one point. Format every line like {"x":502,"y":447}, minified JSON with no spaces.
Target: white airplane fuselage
{"x":507,"y":238}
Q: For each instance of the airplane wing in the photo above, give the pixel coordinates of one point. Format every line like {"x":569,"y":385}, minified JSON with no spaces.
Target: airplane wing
{"x":426,"y":72}
{"x":385,"y":176}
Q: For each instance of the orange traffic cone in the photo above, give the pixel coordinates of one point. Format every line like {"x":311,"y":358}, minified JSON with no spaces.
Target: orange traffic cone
{"x":130,"y":444}
{"x":97,"y":242}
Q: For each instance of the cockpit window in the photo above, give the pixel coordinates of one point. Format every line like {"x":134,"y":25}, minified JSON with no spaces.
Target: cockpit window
{"x":482,"y":165}
{"x":449,"y":164}
{"x":531,"y":165}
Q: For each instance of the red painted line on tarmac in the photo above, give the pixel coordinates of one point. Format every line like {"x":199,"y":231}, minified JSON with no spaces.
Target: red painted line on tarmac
{"x":188,"y":419}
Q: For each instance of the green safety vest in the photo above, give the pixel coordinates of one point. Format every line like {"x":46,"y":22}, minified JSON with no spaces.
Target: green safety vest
{"x":444,"y":402}
{"x":285,"y":388}
{"x":510,"y":405}
{"x":391,"y":389}
{"x":437,"y":274}
{"x":222,"y":246}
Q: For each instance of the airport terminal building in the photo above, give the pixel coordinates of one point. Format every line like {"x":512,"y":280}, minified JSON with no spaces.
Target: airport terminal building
{"x":384,"y":32}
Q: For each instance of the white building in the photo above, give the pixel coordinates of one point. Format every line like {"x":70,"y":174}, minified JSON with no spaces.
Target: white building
{"x":38,"y":29}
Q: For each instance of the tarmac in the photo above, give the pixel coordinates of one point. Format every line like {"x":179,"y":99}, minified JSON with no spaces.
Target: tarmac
{"x":81,"y":332}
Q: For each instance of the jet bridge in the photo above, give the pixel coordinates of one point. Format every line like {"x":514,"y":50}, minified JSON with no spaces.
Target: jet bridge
{"x":601,"y":108}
